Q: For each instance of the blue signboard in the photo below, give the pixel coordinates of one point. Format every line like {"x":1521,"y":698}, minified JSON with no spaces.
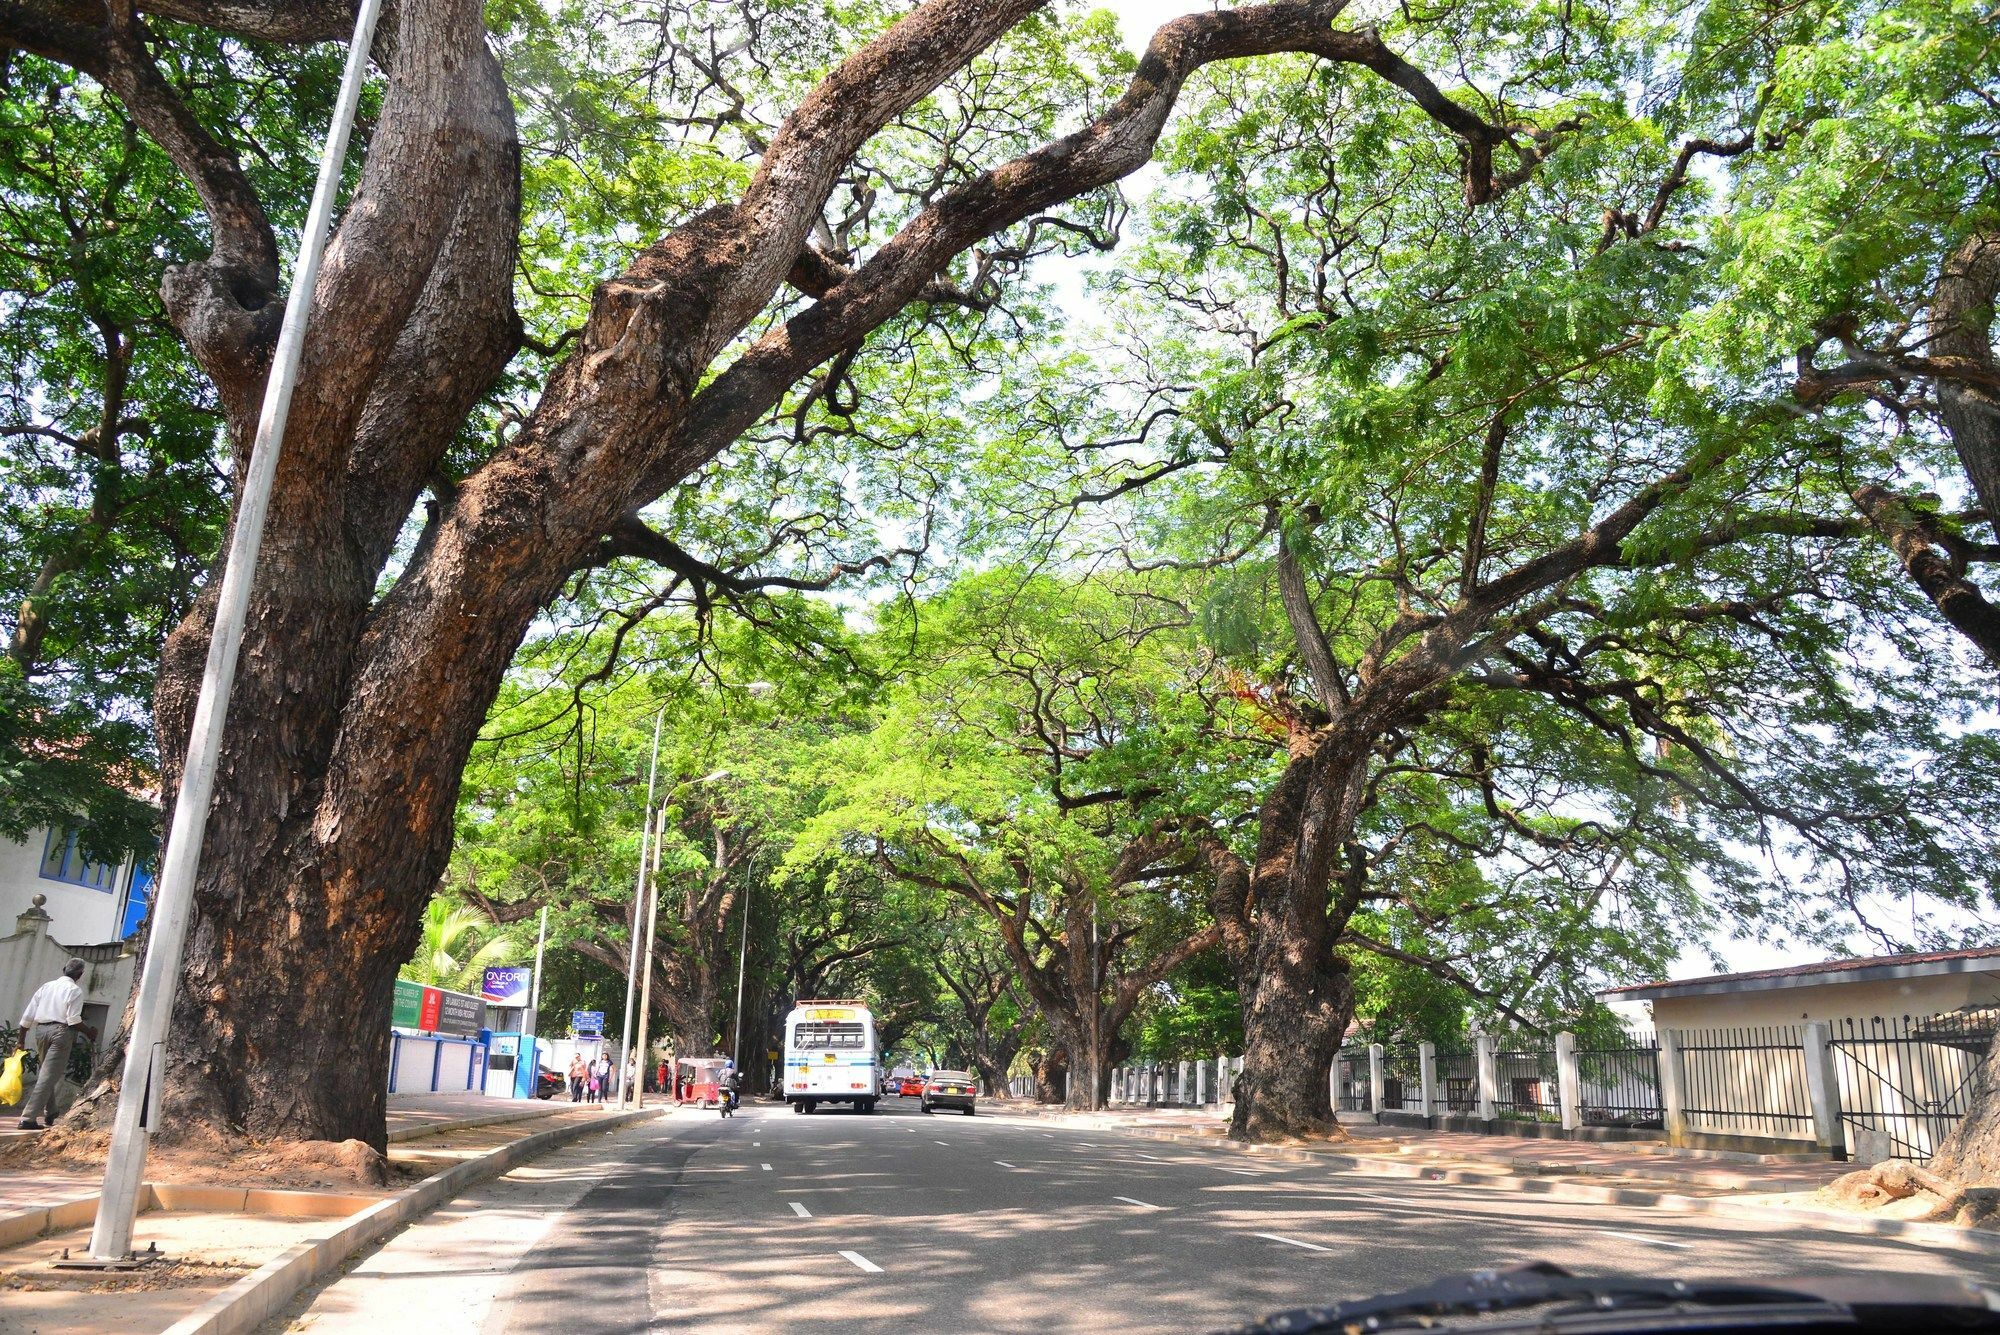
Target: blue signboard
{"x":587,"y":1024}
{"x":506,"y":985}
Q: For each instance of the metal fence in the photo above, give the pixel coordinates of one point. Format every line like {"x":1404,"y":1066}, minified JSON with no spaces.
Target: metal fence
{"x":1458,"y":1079}
{"x":1351,"y":1086}
{"x":1747,"y":1081}
{"x":1528,"y":1086}
{"x":1620,"y":1083}
{"x":1402,"y":1078}
{"x":1904,"y":1084}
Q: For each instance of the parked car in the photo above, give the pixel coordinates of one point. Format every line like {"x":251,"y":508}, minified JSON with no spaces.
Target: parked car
{"x":911,"y":1087}
{"x":549,"y":1083}
{"x":950,"y":1089}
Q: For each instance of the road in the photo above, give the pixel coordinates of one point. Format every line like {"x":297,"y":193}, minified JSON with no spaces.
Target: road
{"x":838,"y":1222}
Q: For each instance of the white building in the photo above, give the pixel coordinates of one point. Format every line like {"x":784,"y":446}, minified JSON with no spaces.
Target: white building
{"x":88,"y":903}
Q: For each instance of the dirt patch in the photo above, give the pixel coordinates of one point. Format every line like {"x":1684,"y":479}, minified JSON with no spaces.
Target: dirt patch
{"x":171,"y":1273}
{"x":212,"y":1159}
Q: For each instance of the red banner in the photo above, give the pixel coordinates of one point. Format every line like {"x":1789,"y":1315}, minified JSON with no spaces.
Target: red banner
{"x":433,"y":1006}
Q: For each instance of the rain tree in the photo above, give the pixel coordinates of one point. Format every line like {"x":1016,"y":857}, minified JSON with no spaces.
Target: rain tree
{"x":1011,"y":769}
{"x":806,"y":193}
{"x":1572,"y":614}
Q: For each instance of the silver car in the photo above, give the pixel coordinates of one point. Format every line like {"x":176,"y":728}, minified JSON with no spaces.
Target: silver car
{"x":949,"y":1089}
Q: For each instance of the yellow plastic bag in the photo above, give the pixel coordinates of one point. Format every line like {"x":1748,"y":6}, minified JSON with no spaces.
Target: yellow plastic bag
{"x":10,"y":1077}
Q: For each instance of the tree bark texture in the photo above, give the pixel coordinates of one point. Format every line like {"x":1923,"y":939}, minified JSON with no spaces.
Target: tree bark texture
{"x":355,"y":707}
{"x":1970,"y":1155}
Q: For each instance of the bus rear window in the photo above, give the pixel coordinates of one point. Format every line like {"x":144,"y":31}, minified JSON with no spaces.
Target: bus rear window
{"x":829,"y":1034}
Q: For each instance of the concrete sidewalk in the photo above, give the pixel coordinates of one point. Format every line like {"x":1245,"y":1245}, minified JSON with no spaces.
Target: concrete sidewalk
{"x":1515,"y":1155}
{"x":411,"y":1117}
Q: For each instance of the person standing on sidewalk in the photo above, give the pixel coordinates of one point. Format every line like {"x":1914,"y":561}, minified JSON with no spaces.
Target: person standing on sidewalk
{"x":576,"y":1078}
{"x":49,"y":1026}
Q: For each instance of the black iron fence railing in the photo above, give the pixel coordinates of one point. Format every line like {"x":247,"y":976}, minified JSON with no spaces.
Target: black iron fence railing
{"x":1619,"y":1083}
{"x":1748,"y":1081}
{"x":1905,"y":1083}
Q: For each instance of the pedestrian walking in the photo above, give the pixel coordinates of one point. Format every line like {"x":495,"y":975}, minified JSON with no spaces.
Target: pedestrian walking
{"x":576,"y":1074}
{"x":601,"y":1068}
{"x":49,"y":1027}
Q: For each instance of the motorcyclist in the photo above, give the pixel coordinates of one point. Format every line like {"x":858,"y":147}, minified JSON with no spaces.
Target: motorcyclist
{"x":732,"y":1089}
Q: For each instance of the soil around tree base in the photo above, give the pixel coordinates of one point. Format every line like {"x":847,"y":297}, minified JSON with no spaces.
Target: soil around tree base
{"x":205,"y":1156}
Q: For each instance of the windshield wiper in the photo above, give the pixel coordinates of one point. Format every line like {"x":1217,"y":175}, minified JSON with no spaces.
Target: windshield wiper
{"x":1550,"y":1298}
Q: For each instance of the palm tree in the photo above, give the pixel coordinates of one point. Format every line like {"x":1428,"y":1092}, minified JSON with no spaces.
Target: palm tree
{"x":451,"y":952}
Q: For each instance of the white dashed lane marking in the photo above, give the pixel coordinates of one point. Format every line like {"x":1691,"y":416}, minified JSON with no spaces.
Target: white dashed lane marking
{"x":1144,"y":1205}
{"x":1003,"y":1163}
{"x":1644,"y":1237}
{"x":1292,"y":1242}
{"x":799,"y":1210}
{"x":862,"y":1263}
{"x":766,"y":1167}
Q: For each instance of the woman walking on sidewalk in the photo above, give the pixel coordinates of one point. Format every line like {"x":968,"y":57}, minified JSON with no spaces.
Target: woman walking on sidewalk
{"x":576,"y":1078}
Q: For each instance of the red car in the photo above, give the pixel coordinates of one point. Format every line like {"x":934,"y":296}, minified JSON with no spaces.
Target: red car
{"x":911,"y":1087}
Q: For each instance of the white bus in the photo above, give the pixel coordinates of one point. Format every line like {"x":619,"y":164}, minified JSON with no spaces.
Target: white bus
{"x":830,"y":1056}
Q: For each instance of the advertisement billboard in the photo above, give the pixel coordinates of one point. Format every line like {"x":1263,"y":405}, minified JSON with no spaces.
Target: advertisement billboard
{"x":460,"y":1014}
{"x":408,"y":1010}
{"x":506,"y":985}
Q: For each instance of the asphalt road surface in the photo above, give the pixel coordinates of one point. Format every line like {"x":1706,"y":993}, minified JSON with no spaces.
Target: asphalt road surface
{"x":838,"y":1222}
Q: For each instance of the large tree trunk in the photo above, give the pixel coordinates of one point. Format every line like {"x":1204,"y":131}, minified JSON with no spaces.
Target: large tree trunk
{"x":1971,"y":1153}
{"x":1297,"y":997}
{"x":1051,"y":1071}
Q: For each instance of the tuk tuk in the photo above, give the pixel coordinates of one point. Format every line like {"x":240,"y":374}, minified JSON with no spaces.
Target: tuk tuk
{"x":699,"y":1080}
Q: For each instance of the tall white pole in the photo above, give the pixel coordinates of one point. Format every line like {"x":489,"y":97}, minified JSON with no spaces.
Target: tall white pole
{"x":173,"y":904}
{"x":742,"y":958}
{"x":638,"y":911}
{"x":646,"y":962}
{"x":535,"y":980}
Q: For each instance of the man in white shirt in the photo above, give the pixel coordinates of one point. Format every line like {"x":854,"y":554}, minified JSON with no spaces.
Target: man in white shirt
{"x":49,"y":1026}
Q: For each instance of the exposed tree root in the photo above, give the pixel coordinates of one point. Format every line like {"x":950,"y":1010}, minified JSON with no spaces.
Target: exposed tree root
{"x":1936,"y":1199}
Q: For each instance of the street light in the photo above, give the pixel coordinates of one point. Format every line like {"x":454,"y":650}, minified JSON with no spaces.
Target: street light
{"x":173,"y":904}
{"x":652,"y":921}
{"x":625,"y":1056}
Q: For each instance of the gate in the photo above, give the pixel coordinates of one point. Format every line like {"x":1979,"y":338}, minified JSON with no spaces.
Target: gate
{"x":1904,"y":1084}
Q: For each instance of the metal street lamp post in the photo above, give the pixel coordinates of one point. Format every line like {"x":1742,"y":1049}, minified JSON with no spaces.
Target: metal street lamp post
{"x":652,"y":923}
{"x":173,"y":905}
{"x":625,"y":1055}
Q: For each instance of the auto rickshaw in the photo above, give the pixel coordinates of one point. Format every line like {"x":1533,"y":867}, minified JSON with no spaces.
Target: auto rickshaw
{"x":699,"y":1080}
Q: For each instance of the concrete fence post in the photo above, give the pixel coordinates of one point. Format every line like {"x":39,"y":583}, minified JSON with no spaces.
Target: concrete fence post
{"x":1221,"y":1079}
{"x":1201,"y":1082}
{"x":1823,"y":1088}
{"x":1427,"y":1079}
{"x":1377,"y":1080}
{"x":1673,"y":1088}
{"x":1488,"y":1067}
{"x":1569,"y":1082}
{"x":1333,"y":1085}
{"x":1186,"y":1086}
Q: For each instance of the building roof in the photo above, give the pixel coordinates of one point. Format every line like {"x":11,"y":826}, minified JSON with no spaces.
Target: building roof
{"x":1875,"y":969}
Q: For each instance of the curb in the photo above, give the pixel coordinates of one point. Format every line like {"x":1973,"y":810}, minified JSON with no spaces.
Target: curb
{"x":1947,"y":1236}
{"x":246,"y":1304}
